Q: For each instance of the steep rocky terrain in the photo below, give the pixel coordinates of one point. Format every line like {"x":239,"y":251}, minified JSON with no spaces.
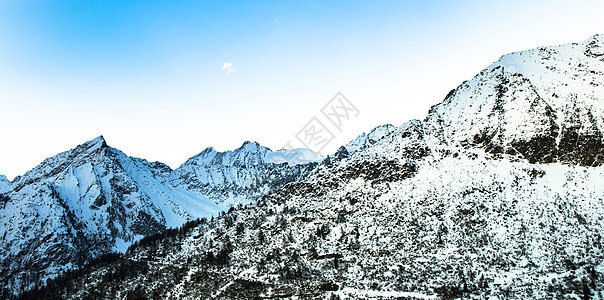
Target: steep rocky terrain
{"x":496,"y":193}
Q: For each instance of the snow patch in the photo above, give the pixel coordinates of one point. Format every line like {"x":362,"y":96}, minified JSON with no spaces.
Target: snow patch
{"x":293,"y":156}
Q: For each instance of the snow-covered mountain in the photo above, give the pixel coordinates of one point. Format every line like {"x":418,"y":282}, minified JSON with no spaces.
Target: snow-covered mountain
{"x":543,"y":105}
{"x":239,"y":176}
{"x":95,"y":199}
{"x":483,"y":198}
{"x":84,"y":202}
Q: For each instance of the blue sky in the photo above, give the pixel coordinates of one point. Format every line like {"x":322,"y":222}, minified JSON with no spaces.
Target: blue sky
{"x":148,"y":75}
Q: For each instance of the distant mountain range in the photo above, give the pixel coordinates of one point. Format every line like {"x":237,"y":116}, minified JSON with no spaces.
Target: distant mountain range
{"x":496,"y":193}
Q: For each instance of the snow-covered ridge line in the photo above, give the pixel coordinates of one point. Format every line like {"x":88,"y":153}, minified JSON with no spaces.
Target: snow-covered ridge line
{"x":241,"y":175}
{"x":542,"y":105}
{"x":367,"y":139}
{"x":292,"y":157}
{"x":254,"y":153}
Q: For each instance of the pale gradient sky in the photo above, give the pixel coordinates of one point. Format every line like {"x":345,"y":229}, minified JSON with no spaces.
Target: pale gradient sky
{"x":163,"y":81}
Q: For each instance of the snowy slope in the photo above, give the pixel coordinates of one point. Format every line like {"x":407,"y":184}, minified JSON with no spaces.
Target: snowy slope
{"x":4,"y":184}
{"x":367,"y":139}
{"x":483,"y":199}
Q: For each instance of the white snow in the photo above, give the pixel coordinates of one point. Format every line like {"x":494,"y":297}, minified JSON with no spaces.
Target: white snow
{"x":4,"y":184}
{"x":542,"y":78}
{"x":365,"y":140}
{"x":293,"y":156}
{"x":350,"y":293}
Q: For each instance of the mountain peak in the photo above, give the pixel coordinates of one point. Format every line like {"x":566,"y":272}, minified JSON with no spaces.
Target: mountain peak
{"x":208,"y":150}
{"x":250,"y":146}
{"x":543,"y":105}
{"x":98,"y":142}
